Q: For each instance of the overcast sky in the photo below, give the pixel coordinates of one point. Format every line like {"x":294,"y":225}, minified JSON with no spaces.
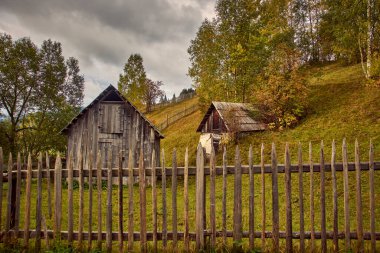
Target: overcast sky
{"x":102,"y":34}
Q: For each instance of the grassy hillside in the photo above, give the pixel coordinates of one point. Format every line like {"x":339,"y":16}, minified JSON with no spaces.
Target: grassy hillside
{"x":340,"y":106}
{"x":159,"y":115}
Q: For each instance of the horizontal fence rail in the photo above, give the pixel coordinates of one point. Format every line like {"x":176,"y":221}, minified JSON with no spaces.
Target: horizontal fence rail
{"x":105,"y":217}
{"x":174,"y":118}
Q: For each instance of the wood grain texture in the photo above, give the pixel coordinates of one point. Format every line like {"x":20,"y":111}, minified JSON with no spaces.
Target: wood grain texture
{"x":347,"y":244}
{"x":154,"y":201}
{"x":300,"y":196}
{"x":237,"y":215}
{"x":174,"y":199}
{"x":50,"y":212}
{"x":164,"y":211}
{"x":37,"y":246}
{"x":1,"y":186}
{"x":99,"y":188}
{"x":312,"y":217}
{"x":57,"y":197}
{"x":28,"y":194}
{"x":79,"y":166}
{"x":224,"y":198}
{"x":120,"y":200}
{"x":186,"y":201}
{"x":359,"y":211}
{"x":199,"y":205}
{"x":143,"y":244}
{"x":275,"y":204}
{"x":288,"y":201}
{"x":18,"y":195}
{"x":335,"y":197}
{"x":263,"y":207}
{"x":8,"y":221}
{"x":90,"y":197}
{"x":323,"y":199}
{"x":251,"y":200}
{"x":109,"y":202}
{"x":130,"y":201}
{"x":70,"y":210}
{"x":212,"y":199}
{"x":372,"y":197}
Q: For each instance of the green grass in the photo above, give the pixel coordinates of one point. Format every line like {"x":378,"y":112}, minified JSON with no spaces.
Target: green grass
{"x":340,"y":106}
{"x":159,"y":115}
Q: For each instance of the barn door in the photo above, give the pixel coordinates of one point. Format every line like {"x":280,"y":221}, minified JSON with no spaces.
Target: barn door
{"x":111,"y":118}
{"x":111,"y":125}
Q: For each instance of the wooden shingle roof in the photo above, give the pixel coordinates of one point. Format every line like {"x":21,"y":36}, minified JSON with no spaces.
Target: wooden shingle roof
{"x":234,"y":113}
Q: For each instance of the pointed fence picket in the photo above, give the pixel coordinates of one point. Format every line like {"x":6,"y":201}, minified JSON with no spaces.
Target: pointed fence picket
{"x":88,"y":165}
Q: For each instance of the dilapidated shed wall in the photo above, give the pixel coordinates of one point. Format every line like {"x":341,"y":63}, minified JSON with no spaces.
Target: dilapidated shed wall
{"x":111,"y":122}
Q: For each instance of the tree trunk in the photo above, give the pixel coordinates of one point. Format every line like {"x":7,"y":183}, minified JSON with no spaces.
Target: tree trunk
{"x":369,"y":36}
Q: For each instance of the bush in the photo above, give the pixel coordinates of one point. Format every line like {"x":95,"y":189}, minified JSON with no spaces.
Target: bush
{"x":281,"y":93}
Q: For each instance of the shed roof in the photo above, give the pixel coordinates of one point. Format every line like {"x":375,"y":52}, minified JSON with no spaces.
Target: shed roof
{"x":242,"y":115}
{"x":109,"y":92}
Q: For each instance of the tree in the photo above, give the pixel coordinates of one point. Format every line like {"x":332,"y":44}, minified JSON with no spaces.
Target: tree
{"x":282,"y":92}
{"x":19,"y":86}
{"x":132,"y":81}
{"x":152,"y":92}
{"x":35,"y":82}
{"x":174,"y":99}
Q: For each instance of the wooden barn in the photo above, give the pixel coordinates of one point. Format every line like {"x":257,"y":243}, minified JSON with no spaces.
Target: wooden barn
{"x":222,"y":118}
{"x":112,"y":122}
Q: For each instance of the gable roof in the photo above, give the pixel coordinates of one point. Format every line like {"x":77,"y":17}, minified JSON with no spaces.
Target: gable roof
{"x":241,"y":115}
{"x":110,"y":91}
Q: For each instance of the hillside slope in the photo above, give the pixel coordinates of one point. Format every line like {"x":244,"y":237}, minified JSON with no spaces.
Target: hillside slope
{"x":341,"y":106}
{"x":159,"y":115}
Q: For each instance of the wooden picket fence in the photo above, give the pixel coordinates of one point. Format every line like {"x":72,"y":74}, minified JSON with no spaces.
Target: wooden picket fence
{"x":12,"y":231}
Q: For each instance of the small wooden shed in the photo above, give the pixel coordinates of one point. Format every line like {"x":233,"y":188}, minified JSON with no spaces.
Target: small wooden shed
{"x":225,"y":117}
{"x":112,"y":122}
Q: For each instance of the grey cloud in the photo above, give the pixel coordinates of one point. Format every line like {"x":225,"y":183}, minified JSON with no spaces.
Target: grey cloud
{"x":102,"y":34}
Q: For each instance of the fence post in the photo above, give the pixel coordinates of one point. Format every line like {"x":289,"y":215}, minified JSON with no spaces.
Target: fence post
{"x":359,"y":215}
{"x":186,"y":200}
{"x":300,"y":196}
{"x":109,"y":201}
{"x":275,"y":205}
{"x":1,"y":185}
{"x":212,"y":198}
{"x":39,"y":205}
{"x":251,"y":201}
{"x":174,"y":199}
{"x":28,"y":193}
{"x":143,"y":246}
{"x":323,"y":199}
{"x":199,"y":215}
{"x":237,"y":224}
{"x":372,"y":196}
{"x":70,"y":211}
{"x":312,"y":232}
{"x":288,"y":200}
{"x":17,"y":196}
{"x":8,"y":223}
{"x":58,"y":197}
{"x":163,"y":182}
{"x":154,"y":200}
{"x":224,"y":200}
{"x":335,"y":198}
{"x":346,"y":198}
{"x":263,"y":211}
